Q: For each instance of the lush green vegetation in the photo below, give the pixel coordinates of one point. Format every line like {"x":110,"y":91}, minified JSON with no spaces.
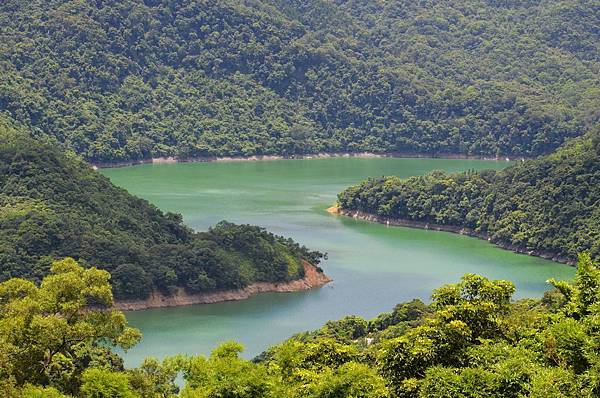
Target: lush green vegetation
{"x":550,"y":205}
{"x":132,"y":79}
{"x":53,"y":205}
{"x":471,"y":341}
{"x":53,"y":332}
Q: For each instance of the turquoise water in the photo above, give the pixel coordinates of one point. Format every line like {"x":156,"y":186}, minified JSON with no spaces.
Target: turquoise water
{"x":373,"y":266}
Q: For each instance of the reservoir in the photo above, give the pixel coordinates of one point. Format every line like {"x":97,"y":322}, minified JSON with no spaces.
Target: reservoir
{"x":373,"y":266}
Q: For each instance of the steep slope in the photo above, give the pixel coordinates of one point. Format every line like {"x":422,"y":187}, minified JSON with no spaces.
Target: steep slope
{"x":54,"y":205}
{"x":126,"y":80}
{"x":549,"y":206}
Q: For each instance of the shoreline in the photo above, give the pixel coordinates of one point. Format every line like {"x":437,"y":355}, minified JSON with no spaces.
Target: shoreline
{"x":320,"y":155}
{"x":313,"y":278}
{"x":360,"y":215}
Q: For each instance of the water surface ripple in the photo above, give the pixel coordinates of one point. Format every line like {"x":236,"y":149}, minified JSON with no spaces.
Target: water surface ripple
{"x":373,"y":266}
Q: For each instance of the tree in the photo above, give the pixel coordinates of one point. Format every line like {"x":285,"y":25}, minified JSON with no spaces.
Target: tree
{"x":465,"y":314}
{"x":224,"y":374}
{"x":352,"y":379}
{"x":50,"y":333}
{"x":130,"y":281}
{"x":102,"y":383}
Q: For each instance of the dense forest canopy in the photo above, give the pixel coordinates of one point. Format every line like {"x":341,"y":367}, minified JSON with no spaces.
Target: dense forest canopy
{"x":472,"y":341}
{"x":133,"y":79}
{"x":109,"y":81}
{"x":54,"y":205}
{"x":548,"y":205}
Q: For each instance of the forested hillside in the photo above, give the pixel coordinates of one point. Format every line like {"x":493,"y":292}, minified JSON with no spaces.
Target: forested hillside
{"x":54,"y":205}
{"x":472,"y":341}
{"x":133,"y":79}
{"x":549,"y":206}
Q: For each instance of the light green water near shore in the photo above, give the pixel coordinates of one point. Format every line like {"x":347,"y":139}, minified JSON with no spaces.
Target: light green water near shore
{"x":373,"y":266}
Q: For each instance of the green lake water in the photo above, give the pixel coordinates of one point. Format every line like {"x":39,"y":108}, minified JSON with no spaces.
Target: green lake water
{"x":373,"y":266}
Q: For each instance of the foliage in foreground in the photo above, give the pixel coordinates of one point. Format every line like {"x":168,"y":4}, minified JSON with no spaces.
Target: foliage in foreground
{"x":471,"y":341}
{"x":550,"y":205}
{"x":53,"y":205}
{"x":52,"y":333}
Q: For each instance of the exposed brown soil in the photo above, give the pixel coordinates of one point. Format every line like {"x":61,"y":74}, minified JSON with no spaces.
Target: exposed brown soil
{"x":449,"y":228}
{"x":333,"y":209}
{"x":312,"y":278}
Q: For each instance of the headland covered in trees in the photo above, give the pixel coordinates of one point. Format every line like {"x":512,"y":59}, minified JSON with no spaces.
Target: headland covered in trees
{"x":312,"y":277}
{"x":548,"y":207}
{"x":54,"y":205}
